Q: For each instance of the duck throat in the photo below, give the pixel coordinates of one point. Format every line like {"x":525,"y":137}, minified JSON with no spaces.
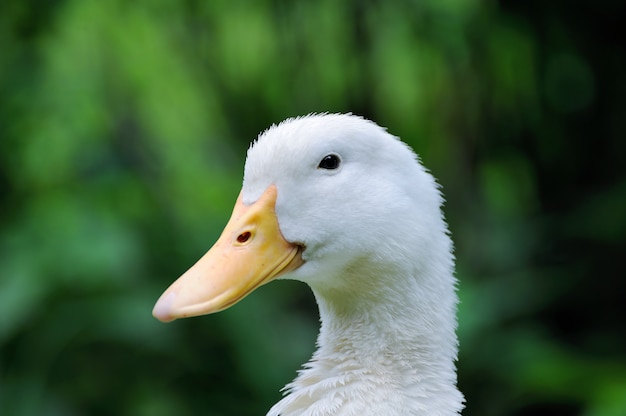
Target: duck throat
{"x":387,"y":351}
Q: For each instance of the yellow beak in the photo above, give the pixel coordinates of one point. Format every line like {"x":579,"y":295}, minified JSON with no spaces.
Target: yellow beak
{"x":250,"y":252}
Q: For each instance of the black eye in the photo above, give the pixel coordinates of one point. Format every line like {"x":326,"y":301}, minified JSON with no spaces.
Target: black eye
{"x":329,"y":162}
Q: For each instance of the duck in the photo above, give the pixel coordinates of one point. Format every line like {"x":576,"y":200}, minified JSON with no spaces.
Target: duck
{"x":341,"y":204}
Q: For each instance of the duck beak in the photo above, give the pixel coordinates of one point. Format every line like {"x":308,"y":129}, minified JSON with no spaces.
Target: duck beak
{"x":250,"y":252}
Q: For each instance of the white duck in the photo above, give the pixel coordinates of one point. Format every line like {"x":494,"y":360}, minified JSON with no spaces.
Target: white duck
{"x":337,"y":202}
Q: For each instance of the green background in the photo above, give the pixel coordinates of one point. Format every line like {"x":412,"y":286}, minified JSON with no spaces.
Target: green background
{"x":123,"y":131}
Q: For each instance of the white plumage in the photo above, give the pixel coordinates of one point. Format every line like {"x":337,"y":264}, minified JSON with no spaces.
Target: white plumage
{"x":377,"y":255}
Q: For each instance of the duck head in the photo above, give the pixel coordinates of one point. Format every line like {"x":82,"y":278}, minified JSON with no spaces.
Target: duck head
{"x":322,"y":196}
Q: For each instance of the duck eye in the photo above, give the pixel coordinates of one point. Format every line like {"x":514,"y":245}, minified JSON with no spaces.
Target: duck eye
{"x":329,"y":162}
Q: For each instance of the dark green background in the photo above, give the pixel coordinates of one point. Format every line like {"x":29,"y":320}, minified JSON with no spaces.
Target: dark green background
{"x":124,"y":126}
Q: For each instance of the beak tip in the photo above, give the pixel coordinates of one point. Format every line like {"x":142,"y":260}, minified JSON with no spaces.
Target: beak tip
{"x":163,"y":308}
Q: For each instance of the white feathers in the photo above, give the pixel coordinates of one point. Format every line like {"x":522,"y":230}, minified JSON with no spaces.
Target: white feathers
{"x":378,"y":258}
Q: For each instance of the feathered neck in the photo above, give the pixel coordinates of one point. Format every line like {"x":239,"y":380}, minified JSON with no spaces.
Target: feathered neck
{"x":388,"y":350}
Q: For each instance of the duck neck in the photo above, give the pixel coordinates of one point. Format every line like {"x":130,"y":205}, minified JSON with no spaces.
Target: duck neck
{"x":399,"y":328}
{"x":390,"y":348}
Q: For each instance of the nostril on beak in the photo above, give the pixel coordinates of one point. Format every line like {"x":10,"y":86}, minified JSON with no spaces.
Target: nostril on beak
{"x":243,"y":237}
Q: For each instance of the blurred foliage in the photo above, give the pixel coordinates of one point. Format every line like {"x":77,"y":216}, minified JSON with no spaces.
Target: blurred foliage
{"x":123,"y":130}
